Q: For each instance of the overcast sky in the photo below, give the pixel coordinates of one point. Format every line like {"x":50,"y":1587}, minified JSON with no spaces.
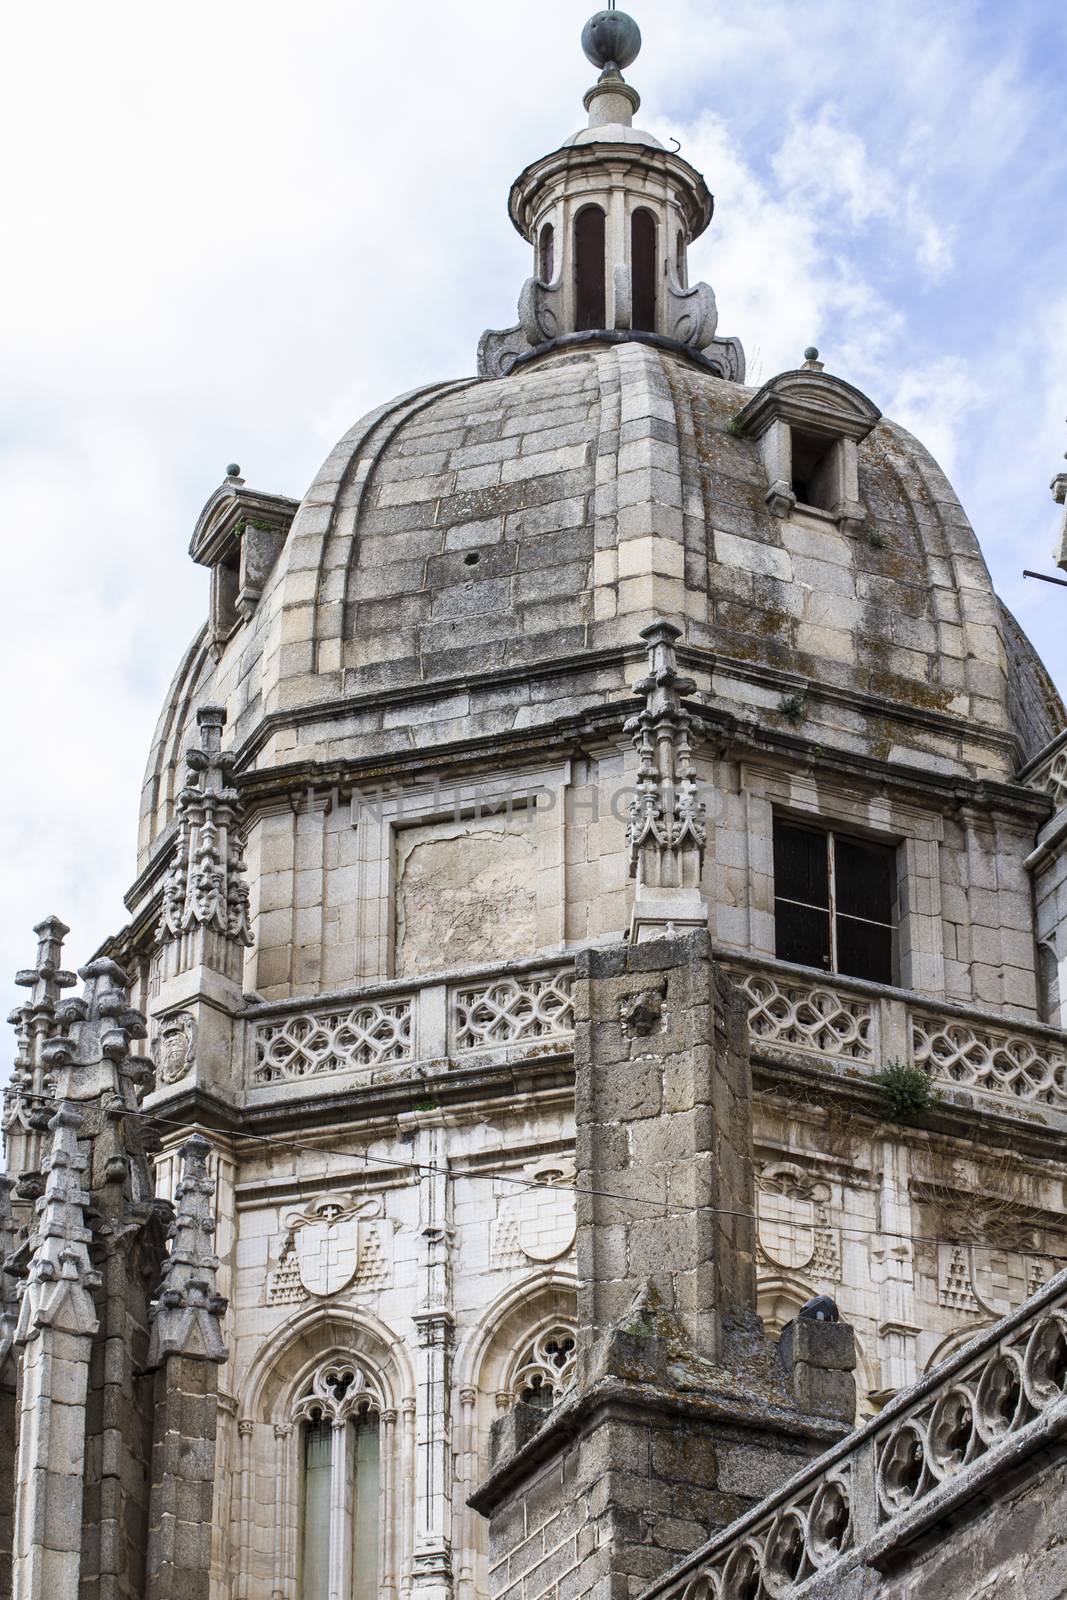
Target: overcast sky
{"x":233,"y":228}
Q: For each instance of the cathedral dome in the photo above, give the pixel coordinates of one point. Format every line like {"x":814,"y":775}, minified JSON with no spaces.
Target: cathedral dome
{"x":527,"y":527}
{"x":477,"y":559}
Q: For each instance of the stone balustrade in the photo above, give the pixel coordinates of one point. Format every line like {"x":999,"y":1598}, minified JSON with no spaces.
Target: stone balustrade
{"x":845,"y":1021}
{"x":998,"y":1402}
{"x":377,"y":1033}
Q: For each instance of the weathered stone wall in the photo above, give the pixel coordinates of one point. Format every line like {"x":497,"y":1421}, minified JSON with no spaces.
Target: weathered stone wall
{"x":664,"y":1153}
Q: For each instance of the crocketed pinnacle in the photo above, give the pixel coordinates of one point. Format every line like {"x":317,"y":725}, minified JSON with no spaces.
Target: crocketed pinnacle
{"x":58,"y":1290}
{"x":187,"y":1318}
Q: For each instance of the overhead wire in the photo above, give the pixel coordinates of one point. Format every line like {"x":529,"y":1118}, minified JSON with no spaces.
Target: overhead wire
{"x":291,"y":1146}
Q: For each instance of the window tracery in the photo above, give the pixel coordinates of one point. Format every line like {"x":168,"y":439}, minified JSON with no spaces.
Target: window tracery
{"x":545,"y":1368}
{"x":339,"y":1415}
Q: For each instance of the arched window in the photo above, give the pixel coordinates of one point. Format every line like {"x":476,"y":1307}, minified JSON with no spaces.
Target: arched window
{"x":643,"y":269}
{"x":545,"y":1368}
{"x":339,"y":1423}
{"x":546,"y":254}
{"x":590,"y":298}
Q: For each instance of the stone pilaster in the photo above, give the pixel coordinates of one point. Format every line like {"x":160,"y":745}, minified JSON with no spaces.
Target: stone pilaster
{"x":57,"y":1321}
{"x":667,"y":829}
{"x":25,"y":1113}
{"x":683,"y":1414}
{"x":186,"y":1349}
{"x":434,"y":1323}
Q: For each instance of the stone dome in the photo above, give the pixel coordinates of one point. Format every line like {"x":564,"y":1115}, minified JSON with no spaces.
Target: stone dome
{"x":476,"y":560}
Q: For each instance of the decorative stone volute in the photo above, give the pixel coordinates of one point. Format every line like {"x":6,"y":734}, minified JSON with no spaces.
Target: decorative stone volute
{"x":667,"y":830}
{"x":187,"y":1317}
{"x":26,"y":1097}
{"x":58,"y":1291}
{"x":610,"y":216}
{"x":204,"y":920}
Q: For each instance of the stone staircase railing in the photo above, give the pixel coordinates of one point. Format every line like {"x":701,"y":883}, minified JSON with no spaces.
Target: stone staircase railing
{"x":997,"y":1402}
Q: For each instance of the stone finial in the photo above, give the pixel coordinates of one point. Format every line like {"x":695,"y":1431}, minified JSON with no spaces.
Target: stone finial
{"x":204,"y":892}
{"x":186,"y":1320}
{"x":92,"y":1059}
{"x":811,"y":360}
{"x":26,"y":1097}
{"x":667,"y":831}
{"x":58,"y":1291}
{"x":1059,"y":494}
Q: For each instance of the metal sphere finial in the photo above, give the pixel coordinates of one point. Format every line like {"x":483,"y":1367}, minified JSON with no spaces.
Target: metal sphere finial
{"x":233,"y":470}
{"x":611,"y":39}
{"x":811,"y":353}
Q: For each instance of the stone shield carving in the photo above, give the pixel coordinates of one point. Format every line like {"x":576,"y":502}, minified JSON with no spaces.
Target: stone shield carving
{"x":326,"y":1242}
{"x":791,"y":1206}
{"x":175,"y":1046}
{"x":537,"y":1223}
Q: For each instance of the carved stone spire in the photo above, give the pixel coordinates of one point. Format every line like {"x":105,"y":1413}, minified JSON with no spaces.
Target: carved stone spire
{"x":189,"y":1311}
{"x":57,"y":1293}
{"x":204,"y":921}
{"x":667,"y":830}
{"x":25,"y":1112}
{"x":1059,"y":494}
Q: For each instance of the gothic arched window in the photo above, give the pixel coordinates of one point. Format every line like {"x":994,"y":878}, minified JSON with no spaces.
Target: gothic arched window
{"x":590,"y":296}
{"x":546,"y":253}
{"x":339,"y":1421}
{"x":643,"y":269}
{"x":545,"y":1368}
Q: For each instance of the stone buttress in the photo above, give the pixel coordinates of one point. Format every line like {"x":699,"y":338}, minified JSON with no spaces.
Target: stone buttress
{"x":684,"y":1413}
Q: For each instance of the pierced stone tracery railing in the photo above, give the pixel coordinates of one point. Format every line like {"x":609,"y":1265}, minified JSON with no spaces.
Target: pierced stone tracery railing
{"x":313,"y":1043}
{"x":379,"y":1034}
{"x":806,"y":1016}
{"x":528,"y":1008}
{"x":533,"y":1005}
{"x":840,"y":1019}
{"x":1000,"y":1400}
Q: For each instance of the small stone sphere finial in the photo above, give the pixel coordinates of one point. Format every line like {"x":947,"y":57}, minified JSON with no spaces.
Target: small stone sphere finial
{"x":811,"y":353}
{"x":611,"y":39}
{"x":233,"y":470}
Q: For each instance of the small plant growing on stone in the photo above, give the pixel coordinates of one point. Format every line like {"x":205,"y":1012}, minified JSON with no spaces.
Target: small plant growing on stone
{"x":877,"y":541}
{"x":907,"y":1091}
{"x":734,"y":427}
{"x":791,"y":707}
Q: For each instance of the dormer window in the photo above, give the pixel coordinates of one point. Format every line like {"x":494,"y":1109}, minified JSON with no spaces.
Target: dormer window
{"x":808,"y":426}
{"x":814,"y":464}
{"x":238,"y":536}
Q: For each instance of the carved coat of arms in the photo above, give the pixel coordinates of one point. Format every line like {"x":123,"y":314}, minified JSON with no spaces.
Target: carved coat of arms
{"x":325,"y":1239}
{"x":537,"y":1222}
{"x":174,"y":1047}
{"x":793,"y":1220}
